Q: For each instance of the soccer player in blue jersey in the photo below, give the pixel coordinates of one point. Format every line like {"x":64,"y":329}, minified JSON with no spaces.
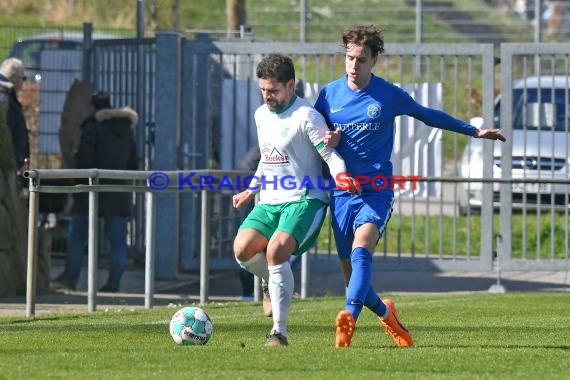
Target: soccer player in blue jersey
{"x":362,"y":106}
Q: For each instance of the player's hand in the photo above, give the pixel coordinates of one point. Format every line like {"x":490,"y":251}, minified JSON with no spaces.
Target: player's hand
{"x":332,"y":138}
{"x":490,"y":134}
{"x":242,"y":199}
{"x":344,"y":181}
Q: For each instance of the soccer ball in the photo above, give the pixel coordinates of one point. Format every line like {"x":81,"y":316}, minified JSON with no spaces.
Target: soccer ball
{"x":191,"y":326}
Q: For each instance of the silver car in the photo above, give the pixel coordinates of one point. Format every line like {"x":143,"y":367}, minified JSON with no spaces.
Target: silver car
{"x":540,"y":147}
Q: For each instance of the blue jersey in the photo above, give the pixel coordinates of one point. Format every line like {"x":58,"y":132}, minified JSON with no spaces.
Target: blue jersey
{"x":366,"y":118}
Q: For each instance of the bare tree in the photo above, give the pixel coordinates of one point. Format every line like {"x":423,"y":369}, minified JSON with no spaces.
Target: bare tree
{"x":153,"y":15}
{"x":175,"y":15}
{"x":235,"y":12}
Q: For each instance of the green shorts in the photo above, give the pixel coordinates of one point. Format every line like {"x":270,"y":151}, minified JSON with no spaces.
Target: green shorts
{"x":301,"y":219}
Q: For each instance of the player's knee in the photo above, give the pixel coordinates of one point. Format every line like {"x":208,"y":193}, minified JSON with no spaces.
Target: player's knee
{"x":280,"y":250}
{"x":241,"y":250}
{"x":278,"y":257}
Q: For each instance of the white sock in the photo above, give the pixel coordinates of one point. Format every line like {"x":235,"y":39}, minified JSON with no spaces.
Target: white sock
{"x":281,"y":285}
{"x":257,"y":265}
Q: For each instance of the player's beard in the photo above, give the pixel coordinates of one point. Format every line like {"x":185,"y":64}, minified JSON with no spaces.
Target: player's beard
{"x":274,"y":105}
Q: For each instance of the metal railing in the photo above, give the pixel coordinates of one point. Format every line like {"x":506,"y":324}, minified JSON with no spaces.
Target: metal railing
{"x":140,"y":184}
{"x":93,"y":188}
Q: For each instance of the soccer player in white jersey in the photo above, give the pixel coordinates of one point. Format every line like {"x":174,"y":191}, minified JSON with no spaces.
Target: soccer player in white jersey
{"x":293,"y":195}
{"x":363,"y":106}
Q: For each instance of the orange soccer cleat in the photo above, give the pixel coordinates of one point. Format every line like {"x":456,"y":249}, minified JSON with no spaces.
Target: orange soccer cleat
{"x":394,"y":328}
{"x":344,"y":328}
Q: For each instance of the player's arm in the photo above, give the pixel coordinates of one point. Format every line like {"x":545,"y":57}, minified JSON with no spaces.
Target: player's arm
{"x":254,"y":184}
{"x":332,"y":138}
{"x":316,"y":130}
{"x":242,"y":199}
{"x":343,"y":179}
{"x":490,"y":134}
{"x":439,"y":119}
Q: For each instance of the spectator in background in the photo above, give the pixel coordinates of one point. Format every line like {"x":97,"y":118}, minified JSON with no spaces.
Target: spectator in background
{"x":556,"y":16}
{"x":300,"y":88}
{"x":107,"y":142}
{"x":12,"y":77}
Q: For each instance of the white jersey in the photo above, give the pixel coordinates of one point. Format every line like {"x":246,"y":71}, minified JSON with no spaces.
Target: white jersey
{"x":291,"y":145}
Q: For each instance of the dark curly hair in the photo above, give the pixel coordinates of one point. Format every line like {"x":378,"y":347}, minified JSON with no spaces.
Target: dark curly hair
{"x":276,"y":66}
{"x":368,"y":36}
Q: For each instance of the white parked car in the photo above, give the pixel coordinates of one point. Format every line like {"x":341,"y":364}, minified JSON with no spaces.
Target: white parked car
{"x":540,"y":147}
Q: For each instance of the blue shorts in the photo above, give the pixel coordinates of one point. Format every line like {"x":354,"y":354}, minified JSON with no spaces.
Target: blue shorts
{"x":350,"y":212}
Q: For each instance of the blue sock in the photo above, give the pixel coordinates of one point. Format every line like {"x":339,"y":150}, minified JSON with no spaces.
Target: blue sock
{"x":359,"y":284}
{"x":374,"y":303}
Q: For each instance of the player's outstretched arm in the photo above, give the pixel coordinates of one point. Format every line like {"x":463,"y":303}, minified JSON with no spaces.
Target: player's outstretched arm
{"x":490,"y":134}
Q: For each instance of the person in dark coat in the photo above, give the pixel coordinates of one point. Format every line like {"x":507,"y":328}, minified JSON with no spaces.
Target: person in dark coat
{"x":107,"y":142}
{"x":12,"y":77}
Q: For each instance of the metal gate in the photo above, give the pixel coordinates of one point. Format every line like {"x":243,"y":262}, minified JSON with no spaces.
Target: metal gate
{"x":198,"y":105}
{"x":216,"y":91}
{"x":534,"y":114}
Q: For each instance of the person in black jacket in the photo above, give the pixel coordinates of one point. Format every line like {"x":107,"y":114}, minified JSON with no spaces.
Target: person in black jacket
{"x":107,"y":142}
{"x":12,"y":77}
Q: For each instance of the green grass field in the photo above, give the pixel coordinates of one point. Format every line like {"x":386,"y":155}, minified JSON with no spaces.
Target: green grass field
{"x":460,"y":336}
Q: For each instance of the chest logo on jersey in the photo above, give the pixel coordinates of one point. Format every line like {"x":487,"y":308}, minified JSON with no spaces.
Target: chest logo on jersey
{"x":374,"y":110}
{"x":273,"y":156}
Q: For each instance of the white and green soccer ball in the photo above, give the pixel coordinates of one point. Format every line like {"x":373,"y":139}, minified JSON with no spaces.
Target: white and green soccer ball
{"x":191,"y":326}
